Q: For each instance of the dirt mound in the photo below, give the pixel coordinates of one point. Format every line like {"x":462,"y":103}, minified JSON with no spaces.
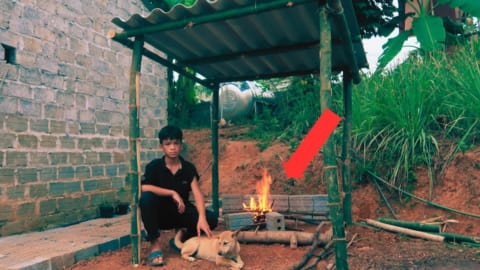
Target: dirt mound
{"x":241,"y":164}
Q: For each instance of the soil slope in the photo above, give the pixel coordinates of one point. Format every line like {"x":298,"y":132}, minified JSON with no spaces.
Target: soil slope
{"x":241,"y":165}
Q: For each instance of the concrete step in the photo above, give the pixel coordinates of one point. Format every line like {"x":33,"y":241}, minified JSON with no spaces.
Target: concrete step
{"x":62,"y":247}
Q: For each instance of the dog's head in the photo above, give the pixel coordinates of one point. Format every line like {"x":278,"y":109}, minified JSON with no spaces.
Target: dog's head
{"x":227,"y":243}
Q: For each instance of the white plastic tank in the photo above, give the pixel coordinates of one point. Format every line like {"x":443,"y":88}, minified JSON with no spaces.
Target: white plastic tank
{"x":237,"y":99}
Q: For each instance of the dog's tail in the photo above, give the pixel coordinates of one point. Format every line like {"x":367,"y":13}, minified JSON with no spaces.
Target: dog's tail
{"x":178,"y":239}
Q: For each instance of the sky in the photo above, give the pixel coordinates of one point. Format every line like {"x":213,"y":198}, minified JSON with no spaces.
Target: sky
{"x":373,"y":50}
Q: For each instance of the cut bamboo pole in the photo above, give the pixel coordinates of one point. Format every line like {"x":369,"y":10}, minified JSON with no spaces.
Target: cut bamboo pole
{"x":406,"y":231}
{"x":282,"y":237}
{"x":413,"y":225}
{"x":453,"y":237}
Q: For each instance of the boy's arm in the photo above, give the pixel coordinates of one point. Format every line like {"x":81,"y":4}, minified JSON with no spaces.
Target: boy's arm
{"x":167,"y":193}
{"x":202,"y":224}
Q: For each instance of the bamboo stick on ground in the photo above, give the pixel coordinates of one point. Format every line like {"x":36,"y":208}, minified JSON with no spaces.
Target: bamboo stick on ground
{"x":411,"y":232}
{"x":281,"y":237}
{"x":413,"y":225}
{"x":452,"y":237}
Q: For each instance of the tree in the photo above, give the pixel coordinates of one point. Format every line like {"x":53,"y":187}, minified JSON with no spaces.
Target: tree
{"x":429,"y":30}
{"x":376,"y":17}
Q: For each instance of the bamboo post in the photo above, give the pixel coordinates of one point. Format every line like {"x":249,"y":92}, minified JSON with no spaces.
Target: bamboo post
{"x":346,"y":146}
{"x":330,"y":166}
{"x":134,"y":175}
{"x":214,"y":122}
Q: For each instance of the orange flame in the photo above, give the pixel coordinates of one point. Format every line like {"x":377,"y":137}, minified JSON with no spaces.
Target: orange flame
{"x":261,"y":206}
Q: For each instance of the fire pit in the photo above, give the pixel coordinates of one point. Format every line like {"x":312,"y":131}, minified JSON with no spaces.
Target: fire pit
{"x":265,"y":209}
{"x":258,"y":210}
{"x":261,"y":206}
{"x":243,"y":212}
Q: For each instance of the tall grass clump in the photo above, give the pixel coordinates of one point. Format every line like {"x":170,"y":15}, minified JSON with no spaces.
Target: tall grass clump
{"x":409,"y":116}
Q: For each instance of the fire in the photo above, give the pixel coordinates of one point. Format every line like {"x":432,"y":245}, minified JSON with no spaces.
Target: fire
{"x":261,"y":206}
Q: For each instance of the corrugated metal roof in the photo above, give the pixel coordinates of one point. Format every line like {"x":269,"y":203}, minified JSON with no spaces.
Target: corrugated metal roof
{"x":277,"y":42}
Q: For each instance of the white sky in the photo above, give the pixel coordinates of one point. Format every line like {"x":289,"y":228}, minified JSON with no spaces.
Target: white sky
{"x":373,"y":50}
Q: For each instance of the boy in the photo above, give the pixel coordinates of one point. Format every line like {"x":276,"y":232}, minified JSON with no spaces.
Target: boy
{"x":164,"y":203}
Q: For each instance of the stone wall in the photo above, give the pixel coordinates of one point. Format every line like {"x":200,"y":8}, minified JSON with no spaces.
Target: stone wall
{"x":64,"y":124}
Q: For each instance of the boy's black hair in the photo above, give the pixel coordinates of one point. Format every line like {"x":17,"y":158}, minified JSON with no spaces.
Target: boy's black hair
{"x":170,"y":132}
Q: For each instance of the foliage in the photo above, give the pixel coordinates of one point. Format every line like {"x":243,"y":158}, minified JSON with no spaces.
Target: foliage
{"x":416,"y":115}
{"x":428,"y":29}
{"x":408,"y":117}
{"x":297,"y":108}
{"x":181,"y":97}
{"x":375,"y":17}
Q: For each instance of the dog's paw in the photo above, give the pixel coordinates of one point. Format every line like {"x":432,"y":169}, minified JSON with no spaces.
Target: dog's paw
{"x":237,"y":266}
{"x":192,"y":259}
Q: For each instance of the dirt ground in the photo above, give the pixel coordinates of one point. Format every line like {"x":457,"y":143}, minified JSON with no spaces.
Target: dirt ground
{"x":240,"y":167}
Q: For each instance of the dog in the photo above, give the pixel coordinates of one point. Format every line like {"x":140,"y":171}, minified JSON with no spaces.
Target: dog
{"x":223,"y":249}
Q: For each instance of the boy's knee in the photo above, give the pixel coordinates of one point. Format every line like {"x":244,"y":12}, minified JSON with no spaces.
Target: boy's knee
{"x":147,"y":198}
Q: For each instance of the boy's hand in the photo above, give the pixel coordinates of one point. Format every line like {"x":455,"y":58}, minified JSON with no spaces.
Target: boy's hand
{"x":178,"y":200}
{"x":202,"y":225}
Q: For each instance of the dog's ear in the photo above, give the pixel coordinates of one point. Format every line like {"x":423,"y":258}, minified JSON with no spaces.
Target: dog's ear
{"x":235,"y":233}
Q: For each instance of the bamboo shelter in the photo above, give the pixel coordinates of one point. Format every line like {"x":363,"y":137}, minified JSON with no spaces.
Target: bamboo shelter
{"x":237,"y":40}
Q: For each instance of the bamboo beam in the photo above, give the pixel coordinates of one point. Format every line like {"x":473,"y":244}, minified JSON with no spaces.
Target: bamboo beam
{"x":134,"y":174}
{"x":155,"y":57}
{"x":329,"y":156}
{"x":229,"y":14}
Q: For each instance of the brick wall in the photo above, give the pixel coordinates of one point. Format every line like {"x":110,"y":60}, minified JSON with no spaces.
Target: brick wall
{"x":64,"y":122}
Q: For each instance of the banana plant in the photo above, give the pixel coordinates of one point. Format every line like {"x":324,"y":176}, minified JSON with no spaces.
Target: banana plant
{"x":428,"y":29}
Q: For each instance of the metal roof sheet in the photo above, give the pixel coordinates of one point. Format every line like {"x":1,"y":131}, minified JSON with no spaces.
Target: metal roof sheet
{"x":275,"y":42}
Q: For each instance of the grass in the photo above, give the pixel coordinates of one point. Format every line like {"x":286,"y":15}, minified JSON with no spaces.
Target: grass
{"x":420,"y":114}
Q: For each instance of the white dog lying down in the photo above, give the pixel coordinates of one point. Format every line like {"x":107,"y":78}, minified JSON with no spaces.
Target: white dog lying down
{"x":223,"y":249}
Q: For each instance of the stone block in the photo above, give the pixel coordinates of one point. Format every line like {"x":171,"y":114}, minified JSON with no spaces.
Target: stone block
{"x":301,"y":203}
{"x":232,"y":203}
{"x":280,"y":203}
{"x":320,"y":204}
{"x":235,"y":221}
{"x":275,"y":221}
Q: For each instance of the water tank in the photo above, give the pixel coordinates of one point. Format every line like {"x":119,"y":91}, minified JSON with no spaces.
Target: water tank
{"x":238,"y":99}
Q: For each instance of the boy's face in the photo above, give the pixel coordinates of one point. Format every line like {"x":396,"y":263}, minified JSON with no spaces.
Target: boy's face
{"x":171,"y":147}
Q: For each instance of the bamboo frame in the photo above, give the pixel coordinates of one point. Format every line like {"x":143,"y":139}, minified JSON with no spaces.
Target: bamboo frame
{"x":325,"y":20}
{"x":329,"y":156}
{"x":135,"y":168}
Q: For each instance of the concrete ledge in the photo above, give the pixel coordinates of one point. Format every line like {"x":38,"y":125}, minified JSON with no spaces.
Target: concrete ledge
{"x":62,"y":247}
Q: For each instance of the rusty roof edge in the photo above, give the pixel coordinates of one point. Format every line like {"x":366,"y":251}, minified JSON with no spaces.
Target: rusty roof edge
{"x":189,"y":21}
{"x":336,"y":10}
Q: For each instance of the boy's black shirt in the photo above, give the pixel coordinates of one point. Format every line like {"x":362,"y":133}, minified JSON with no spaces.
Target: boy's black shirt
{"x":157,"y":174}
